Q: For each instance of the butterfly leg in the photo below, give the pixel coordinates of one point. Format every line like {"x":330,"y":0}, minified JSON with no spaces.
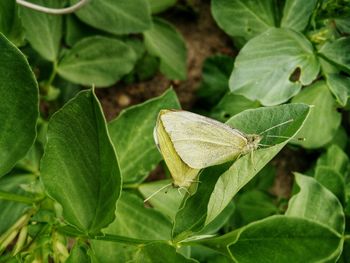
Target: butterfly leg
{"x":252,"y":158}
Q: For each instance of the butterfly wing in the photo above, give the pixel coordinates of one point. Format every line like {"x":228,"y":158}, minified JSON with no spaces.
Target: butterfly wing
{"x":201,"y":141}
{"x":182,"y":174}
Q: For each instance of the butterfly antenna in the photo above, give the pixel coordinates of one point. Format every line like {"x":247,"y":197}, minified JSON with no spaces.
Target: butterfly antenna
{"x":156,"y":192}
{"x":286,"y":137}
{"x":273,"y":127}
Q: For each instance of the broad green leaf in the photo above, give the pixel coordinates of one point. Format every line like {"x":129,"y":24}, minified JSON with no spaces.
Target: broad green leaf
{"x":315,"y":132}
{"x":218,"y":184}
{"x":230,"y":105}
{"x":79,"y":168}
{"x":159,"y":252}
{"x":281,"y":239}
{"x":215,"y":75}
{"x":10,"y":22}
{"x":166,"y":201}
{"x":272,"y":67}
{"x":43,"y":31}
{"x":339,"y":85}
{"x":18,"y":106}
{"x":336,"y":159}
{"x":241,"y":18}
{"x":158,"y":6}
{"x":11,"y":211}
{"x":132,"y":220}
{"x":117,"y":17}
{"x":163,"y":41}
{"x":332,"y":180}
{"x":77,"y":30}
{"x":99,"y":61}
{"x":338,"y":52}
{"x":297,"y":13}
{"x":132,"y":135}
{"x":316,"y":203}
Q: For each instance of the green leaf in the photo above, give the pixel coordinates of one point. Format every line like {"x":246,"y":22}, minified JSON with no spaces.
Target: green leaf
{"x":339,"y":85}
{"x":215,"y":75}
{"x":159,"y":252}
{"x":297,"y":13}
{"x":10,"y":22}
{"x":166,"y":201}
{"x":117,"y":17}
{"x":132,"y":135}
{"x":336,"y":159}
{"x":77,"y":30}
{"x":315,"y":132}
{"x":338,"y":52}
{"x":11,"y":211}
{"x":316,"y":203}
{"x":79,"y":168}
{"x":79,"y":254}
{"x":99,"y":61}
{"x":133,"y":220}
{"x":254,"y":205}
{"x":280,"y":239}
{"x":219,"y":184}
{"x":18,"y":106}
{"x":163,"y":41}
{"x":43,"y":31}
{"x":272,"y":67}
{"x":158,"y":6}
{"x":239,"y":18}
{"x":332,"y":180}
{"x":230,"y":105}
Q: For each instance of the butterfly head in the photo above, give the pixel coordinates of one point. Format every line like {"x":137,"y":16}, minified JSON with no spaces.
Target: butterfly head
{"x":253,"y":141}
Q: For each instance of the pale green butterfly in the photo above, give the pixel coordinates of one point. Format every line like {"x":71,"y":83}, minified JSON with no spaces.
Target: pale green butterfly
{"x":189,"y":142}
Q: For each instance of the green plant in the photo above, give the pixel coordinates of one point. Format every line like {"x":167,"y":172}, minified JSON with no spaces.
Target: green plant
{"x":72,"y":188}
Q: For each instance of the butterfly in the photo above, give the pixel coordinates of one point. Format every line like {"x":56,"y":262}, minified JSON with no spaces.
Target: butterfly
{"x":190,"y":142}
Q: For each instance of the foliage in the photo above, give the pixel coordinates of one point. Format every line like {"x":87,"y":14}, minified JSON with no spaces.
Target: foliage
{"x":72,"y":184}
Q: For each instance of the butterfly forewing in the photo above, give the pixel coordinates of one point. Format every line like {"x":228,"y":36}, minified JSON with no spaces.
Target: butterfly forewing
{"x":200,"y":141}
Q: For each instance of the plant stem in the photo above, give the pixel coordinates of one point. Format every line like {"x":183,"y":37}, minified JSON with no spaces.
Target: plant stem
{"x":122,"y":239}
{"x":17,"y":198}
{"x":53,"y":11}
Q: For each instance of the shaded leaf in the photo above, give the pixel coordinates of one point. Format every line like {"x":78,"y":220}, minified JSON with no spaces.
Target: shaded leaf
{"x":297,"y":13}
{"x":230,"y":105}
{"x":163,"y":41}
{"x":338,"y":52}
{"x":215,"y":75}
{"x":99,"y":61}
{"x":158,"y":6}
{"x":43,"y":31}
{"x":79,"y":168}
{"x":10,"y":22}
{"x":117,"y":17}
{"x":18,"y":106}
{"x":317,"y":134}
{"x":340,"y":87}
{"x":316,"y":203}
{"x":133,"y":220}
{"x":239,"y":18}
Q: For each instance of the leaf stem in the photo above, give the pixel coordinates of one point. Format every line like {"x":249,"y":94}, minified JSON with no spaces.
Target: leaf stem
{"x":17,"y":198}
{"x":53,"y":11}
{"x":347,"y":237}
{"x":123,"y":239}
